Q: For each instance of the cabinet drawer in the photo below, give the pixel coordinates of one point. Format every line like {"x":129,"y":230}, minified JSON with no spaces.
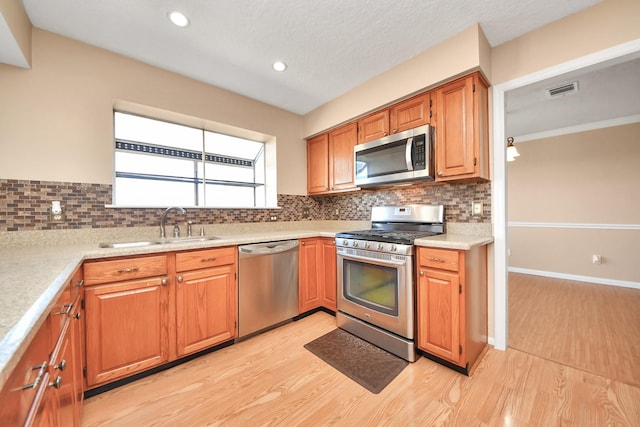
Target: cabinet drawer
{"x":194,"y":260}
{"x":439,"y":258}
{"x":124,"y":269}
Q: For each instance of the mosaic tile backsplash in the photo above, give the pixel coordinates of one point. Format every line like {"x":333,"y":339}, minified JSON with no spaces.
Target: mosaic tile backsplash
{"x":24,"y":205}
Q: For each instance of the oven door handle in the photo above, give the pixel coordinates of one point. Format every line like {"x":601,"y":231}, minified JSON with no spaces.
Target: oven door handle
{"x":374,"y":260}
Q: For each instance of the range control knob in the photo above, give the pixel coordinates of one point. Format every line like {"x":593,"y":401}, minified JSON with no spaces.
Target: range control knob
{"x":366,"y":245}
{"x":393,"y":248}
{"x":380,"y":246}
{"x":345,"y":242}
{"x":355,"y":244}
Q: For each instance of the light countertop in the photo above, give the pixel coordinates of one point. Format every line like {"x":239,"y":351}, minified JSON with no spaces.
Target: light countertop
{"x":34,"y":267}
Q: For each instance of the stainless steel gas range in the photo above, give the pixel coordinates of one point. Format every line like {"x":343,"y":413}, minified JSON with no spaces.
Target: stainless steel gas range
{"x":376,"y":276}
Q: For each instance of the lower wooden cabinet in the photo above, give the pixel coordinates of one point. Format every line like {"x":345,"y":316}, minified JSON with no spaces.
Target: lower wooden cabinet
{"x":187,"y":303}
{"x":317,"y":274}
{"x":45,"y":388}
{"x":127,"y":328}
{"x":452,"y":304}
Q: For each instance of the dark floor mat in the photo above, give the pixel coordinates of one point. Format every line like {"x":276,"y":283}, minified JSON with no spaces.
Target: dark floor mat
{"x":363,"y":362}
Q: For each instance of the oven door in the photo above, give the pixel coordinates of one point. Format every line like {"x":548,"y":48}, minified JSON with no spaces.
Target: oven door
{"x":377,"y":288}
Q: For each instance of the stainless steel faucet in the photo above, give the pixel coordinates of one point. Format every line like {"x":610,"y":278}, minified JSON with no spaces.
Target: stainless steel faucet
{"x":163,"y":218}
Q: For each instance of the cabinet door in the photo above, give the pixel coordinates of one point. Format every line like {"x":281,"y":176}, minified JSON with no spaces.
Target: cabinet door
{"x":411,"y":113}
{"x":455,"y":142}
{"x":62,"y":377}
{"x":206,"y":308}
{"x":318,"y":164}
{"x":341,"y":158}
{"x":373,"y":126}
{"x":309,"y":293}
{"x":439,"y":314}
{"x":329,"y":273}
{"x":126,"y":328}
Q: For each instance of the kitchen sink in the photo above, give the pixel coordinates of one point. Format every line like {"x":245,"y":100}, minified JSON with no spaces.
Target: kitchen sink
{"x":129,"y":244}
{"x":143,"y":243}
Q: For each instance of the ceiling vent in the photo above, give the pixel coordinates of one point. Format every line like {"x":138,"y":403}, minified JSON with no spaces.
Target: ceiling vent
{"x":562,"y":90}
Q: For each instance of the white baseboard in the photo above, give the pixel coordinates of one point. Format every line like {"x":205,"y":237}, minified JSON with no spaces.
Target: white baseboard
{"x":588,"y":279}
{"x":491,"y":341}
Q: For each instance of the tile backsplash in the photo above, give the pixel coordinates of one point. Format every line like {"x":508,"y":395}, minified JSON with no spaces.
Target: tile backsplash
{"x":25,"y":204}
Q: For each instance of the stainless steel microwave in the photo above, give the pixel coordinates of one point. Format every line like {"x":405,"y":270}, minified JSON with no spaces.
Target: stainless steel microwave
{"x":401,"y":157}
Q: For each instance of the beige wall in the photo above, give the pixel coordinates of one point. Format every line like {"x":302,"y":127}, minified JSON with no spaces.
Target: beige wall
{"x":458,"y":55}
{"x":583,"y":178}
{"x":599,"y":27}
{"x":56,"y":119}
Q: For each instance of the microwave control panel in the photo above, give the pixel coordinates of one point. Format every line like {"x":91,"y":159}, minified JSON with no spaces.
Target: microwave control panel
{"x":418,"y":152}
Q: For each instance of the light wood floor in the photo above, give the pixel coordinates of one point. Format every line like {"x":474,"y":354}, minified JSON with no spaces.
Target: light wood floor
{"x":587,"y":326}
{"x":272,"y":380}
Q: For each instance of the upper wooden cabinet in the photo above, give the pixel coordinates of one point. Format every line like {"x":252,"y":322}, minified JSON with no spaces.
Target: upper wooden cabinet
{"x":411,"y":113}
{"x":373,"y":126}
{"x":462,"y":137}
{"x":330,"y":167}
{"x":318,"y":164}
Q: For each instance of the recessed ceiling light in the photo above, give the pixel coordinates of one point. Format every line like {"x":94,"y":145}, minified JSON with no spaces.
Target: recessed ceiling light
{"x":279,"y":66}
{"x":179,"y":18}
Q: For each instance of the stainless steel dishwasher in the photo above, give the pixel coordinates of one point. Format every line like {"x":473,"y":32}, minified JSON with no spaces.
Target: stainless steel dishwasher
{"x":268,"y":285}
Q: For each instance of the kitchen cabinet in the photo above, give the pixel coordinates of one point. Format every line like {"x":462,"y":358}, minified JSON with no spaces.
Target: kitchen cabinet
{"x":45,"y":387}
{"x":206,"y":298}
{"x":318,"y":164}
{"x":317,"y":274}
{"x":127,"y":316}
{"x":452,"y":305}
{"x":462,"y":137}
{"x":330,"y":163}
{"x":373,"y":126}
{"x":411,"y":113}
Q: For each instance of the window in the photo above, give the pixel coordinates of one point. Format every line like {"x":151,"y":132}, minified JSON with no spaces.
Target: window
{"x":161,"y":164}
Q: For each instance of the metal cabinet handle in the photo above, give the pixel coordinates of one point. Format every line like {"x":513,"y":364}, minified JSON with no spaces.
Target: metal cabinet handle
{"x":208,"y":259}
{"x":128,"y":270}
{"x":57,"y":383}
{"x":36,"y":382}
{"x":77,"y":316}
{"x":393,"y":131}
{"x":421,"y":273}
{"x":61,"y":366}
{"x":439,"y":173}
{"x":80,"y":283}
{"x":434,"y":259}
{"x":66,"y":311}
{"x":164,"y":281}
{"x":180,"y":279}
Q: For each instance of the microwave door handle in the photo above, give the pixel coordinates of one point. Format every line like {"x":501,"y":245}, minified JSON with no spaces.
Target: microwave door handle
{"x":407,"y":154}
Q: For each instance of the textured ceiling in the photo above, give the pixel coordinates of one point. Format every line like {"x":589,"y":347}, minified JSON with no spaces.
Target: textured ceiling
{"x":606,"y":91}
{"x":330,"y":46}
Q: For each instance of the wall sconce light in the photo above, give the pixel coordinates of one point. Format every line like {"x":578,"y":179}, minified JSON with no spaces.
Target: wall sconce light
{"x":512,"y":152}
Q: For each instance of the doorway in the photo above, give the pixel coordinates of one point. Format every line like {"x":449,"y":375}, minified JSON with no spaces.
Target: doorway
{"x":499,"y":199}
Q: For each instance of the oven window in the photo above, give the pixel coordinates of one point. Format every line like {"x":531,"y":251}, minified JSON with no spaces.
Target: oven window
{"x":372,"y":286}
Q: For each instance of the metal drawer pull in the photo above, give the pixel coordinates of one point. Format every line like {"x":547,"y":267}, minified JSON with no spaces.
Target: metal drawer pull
{"x":180,"y":279}
{"x":80,"y":283}
{"x":436,"y":259}
{"x":164,"y":281}
{"x":57,"y":383}
{"x":67,"y":310}
{"x":36,"y":382}
{"x":128,"y":270}
{"x":77,"y":316}
{"x":208,"y":259}
{"x":62,"y":365}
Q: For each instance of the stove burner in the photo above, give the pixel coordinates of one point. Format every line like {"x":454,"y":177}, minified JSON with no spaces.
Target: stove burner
{"x":388,"y":236}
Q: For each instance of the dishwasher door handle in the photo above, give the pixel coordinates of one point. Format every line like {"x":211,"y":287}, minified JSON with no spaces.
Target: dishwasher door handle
{"x":268,"y":248}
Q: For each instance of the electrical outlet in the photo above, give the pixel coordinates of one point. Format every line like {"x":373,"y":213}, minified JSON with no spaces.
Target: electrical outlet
{"x":596,"y":259}
{"x":305,"y":212}
{"x":337,"y":211}
{"x":476,"y":208}
{"x":273,"y":218}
